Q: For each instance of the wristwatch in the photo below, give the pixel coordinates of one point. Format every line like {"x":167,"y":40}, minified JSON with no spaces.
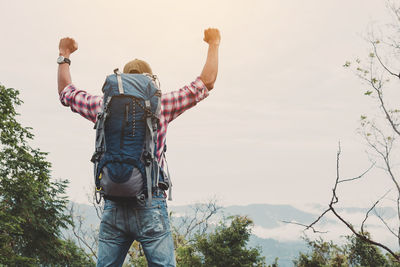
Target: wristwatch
{"x":62,"y":60}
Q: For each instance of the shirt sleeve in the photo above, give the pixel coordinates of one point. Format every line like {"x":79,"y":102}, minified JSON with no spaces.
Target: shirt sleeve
{"x":176,"y":102}
{"x":81,"y":102}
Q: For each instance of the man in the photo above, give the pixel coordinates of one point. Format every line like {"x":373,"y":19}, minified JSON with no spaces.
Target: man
{"x":124,"y":222}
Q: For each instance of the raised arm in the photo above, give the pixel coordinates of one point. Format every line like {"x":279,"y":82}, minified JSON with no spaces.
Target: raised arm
{"x":79,"y":101}
{"x":177,"y":102}
{"x":210,"y":70}
{"x":66,"y":47}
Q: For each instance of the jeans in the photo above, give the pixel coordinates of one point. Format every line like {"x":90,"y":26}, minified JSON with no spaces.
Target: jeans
{"x":123,"y":223}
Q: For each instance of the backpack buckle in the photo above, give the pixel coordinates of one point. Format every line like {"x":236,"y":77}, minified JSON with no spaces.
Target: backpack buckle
{"x":141,"y":199}
{"x":94,"y":158}
{"x":98,"y":118}
{"x":147,"y":158}
{"x":99,"y":149}
{"x":96,"y":154}
{"x":98,"y":196}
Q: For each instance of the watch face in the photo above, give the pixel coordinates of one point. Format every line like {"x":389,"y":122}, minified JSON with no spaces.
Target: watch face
{"x":60,"y":59}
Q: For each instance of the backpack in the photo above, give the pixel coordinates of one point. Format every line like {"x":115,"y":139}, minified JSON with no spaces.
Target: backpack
{"x":125,"y":161}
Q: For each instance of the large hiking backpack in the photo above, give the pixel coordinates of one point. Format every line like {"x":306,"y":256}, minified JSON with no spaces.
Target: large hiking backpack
{"x":125,"y":161}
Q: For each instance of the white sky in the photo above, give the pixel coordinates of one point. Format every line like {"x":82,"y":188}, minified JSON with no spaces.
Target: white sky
{"x":268,"y":132}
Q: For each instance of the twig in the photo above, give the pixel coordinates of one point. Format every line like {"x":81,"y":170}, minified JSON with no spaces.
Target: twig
{"x":373,"y":207}
{"x":358,"y":177}
{"x":385,"y":223}
{"x":307,"y":227}
{"x":380,"y":61}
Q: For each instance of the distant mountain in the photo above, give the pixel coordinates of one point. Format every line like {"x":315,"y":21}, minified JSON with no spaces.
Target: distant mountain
{"x":284,"y":251}
{"x":270,"y":216}
{"x":270,"y":233}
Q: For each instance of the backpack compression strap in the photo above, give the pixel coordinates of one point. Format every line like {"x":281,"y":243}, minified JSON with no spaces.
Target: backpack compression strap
{"x":151,"y":135}
{"x":151,"y":164}
{"x":100,"y":145}
{"x":119,"y":79}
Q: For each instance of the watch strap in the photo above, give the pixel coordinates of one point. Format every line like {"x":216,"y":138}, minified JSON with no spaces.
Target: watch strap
{"x":62,"y":60}
{"x":67,"y":60}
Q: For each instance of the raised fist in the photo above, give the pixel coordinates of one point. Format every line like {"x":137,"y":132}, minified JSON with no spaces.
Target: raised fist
{"x":67,"y":46}
{"x":212,"y":36}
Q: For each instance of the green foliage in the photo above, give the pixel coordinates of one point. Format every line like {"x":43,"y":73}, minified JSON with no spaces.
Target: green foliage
{"x":32,"y":206}
{"x":347,"y":64}
{"x":274,"y":264}
{"x":72,"y":256}
{"x":364,"y":254}
{"x":356,"y":252}
{"x":368,"y":92}
{"x":227,"y":245}
{"x":322,"y":254}
{"x":187,"y":256}
{"x":136,"y":255}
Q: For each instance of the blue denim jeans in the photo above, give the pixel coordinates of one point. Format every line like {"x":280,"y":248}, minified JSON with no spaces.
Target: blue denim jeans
{"x":123,"y":223}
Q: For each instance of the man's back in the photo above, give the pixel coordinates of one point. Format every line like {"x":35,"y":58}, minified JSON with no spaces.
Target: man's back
{"x":145,"y":219}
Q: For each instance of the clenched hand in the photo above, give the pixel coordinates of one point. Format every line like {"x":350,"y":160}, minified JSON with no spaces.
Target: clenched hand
{"x":212,"y":36}
{"x":67,"y":46}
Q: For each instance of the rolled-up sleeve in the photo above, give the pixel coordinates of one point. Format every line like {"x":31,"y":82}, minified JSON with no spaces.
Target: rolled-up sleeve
{"x":81,"y":102}
{"x":176,"y":102}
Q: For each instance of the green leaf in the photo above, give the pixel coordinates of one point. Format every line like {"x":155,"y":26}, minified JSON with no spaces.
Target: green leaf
{"x":368,"y":93}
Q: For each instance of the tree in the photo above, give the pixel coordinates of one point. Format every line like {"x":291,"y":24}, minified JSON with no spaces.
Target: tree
{"x":355,"y":252}
{"x":227,"y":245}
{"x":322,"y":254}
{"x":364,"y":254}
{"x":196,"y":243}
{"x":32,"y":205}
{"x":379,"y":72}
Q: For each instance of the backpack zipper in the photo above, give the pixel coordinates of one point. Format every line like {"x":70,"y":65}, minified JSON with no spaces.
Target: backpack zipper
{"x":133,"y":116}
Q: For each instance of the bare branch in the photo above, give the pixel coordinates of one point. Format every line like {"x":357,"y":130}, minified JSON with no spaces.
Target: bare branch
{"x":384,"y":109}
{"x":198,"y":222}
{"x":372,"y":208}
{"x":335,"y":200}
{"x":380,"y":61}
{"x":358,"y":177}
{"x":307,"y":227}
{"x":365,"y":238}
{"x":81,"y":235}
{"x":98,"y":208}
{"x":385,"y":223}
{"x":317,"y":220}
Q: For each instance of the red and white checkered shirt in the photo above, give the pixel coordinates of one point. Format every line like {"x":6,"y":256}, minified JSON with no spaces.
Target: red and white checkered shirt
{"x":172,"y":105}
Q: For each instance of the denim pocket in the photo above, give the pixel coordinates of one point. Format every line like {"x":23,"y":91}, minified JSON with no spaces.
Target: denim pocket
{"x":150,"y":221}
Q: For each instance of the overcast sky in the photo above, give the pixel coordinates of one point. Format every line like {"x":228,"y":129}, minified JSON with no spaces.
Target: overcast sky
{"x":268,"y":132}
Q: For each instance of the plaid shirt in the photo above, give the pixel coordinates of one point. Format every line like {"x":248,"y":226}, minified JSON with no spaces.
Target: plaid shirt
{"x":173,"y":104}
